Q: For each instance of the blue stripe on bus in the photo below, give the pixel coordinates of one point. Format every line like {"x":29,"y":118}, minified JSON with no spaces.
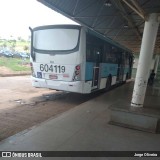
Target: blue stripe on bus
{"x":108,"y":68}
{"x":89,"y":71}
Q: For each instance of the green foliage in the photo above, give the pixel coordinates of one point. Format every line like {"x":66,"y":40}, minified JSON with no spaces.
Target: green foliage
{"x":4,"y":44}
{"x":12,"y":44}
{"x":26,"y":48}
{"x":19,"y":38}
{"x":15,"y":45}
{"x":15,"y":64}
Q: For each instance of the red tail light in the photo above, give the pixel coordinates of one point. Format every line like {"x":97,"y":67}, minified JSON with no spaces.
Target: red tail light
{"x":76,"y":76}
{"x":78,"y":67}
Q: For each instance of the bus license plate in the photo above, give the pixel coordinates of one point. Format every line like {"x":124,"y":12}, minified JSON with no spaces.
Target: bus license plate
{"x":52,"y":68}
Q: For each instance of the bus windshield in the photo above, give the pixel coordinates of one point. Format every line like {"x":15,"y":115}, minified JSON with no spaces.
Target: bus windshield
{"x":56,"y":39}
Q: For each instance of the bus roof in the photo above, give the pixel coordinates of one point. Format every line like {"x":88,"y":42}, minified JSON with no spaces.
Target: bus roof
{"x":91,"y":31}
{"x":57,"y":26}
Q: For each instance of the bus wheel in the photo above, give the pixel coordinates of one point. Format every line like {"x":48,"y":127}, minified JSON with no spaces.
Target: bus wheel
{"x":108,"y":84}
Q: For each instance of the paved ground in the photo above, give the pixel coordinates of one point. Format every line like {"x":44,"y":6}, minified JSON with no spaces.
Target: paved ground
{"x":23,"y":106}
{"x":86,"y":128}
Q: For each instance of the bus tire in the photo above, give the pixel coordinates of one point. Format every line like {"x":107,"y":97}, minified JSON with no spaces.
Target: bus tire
{"x":108,"y":83}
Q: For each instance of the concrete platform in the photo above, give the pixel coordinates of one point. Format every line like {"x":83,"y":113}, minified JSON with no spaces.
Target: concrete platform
{"x":145,"y":118}
{"x":86,"y":128}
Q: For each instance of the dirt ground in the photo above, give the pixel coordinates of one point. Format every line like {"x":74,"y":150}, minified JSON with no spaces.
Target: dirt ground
{"x":23,"y":106}
{"x":4,"y":72}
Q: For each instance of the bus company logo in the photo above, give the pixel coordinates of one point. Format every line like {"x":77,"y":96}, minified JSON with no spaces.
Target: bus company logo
{"x":21,"y":154}
{"x":6,"y":154}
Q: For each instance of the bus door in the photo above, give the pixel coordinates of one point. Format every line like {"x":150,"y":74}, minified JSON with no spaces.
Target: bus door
{"x":120,"y":71}
{"x":97,"y":59}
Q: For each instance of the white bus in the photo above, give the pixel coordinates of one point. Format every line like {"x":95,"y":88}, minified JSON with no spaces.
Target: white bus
{"x":75,"y":59}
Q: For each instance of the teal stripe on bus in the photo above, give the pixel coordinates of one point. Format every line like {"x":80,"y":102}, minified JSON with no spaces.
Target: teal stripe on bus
{"x":108,"y":68}
{"x":89,"y":71}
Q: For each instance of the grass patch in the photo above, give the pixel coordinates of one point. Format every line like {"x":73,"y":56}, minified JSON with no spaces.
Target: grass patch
{"x":15,"y":64}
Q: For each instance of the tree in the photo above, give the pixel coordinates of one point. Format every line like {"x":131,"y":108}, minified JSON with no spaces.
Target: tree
{"x":13,"y":45}
{"x":26,"y":48}
{"x":19,"y":38}
{"x":4,"y":45}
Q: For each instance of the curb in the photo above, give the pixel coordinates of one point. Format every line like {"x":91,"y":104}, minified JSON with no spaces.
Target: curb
{"x":16,"y":74}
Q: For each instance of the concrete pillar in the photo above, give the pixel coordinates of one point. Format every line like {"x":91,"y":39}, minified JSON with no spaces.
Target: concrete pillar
{"x":156,"y":64}
{"x":146,"y":53}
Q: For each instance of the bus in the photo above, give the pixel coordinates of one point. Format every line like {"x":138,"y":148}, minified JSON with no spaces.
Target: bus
{"x":74,"y":58}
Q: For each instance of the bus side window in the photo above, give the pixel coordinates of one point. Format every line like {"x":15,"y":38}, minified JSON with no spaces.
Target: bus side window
{"x":97,"y":55}
{"x":89,"y":53}
{"x":111,"y":55}
{"x":130,"y":61}
{"x":115,"y":58}
{"x":126,"y":59}
{"x":107,"y":54}
{"x":108,"y":57}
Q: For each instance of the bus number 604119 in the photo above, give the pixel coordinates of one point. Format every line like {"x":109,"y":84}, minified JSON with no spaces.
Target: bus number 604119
{"x":51,"y":68}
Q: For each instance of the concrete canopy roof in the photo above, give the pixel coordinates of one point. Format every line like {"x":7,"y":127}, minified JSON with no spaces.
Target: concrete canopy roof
{"x":120,"y":20}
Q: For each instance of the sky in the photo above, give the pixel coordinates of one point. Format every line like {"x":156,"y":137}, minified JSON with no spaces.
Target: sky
{"x":16,"y":16}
